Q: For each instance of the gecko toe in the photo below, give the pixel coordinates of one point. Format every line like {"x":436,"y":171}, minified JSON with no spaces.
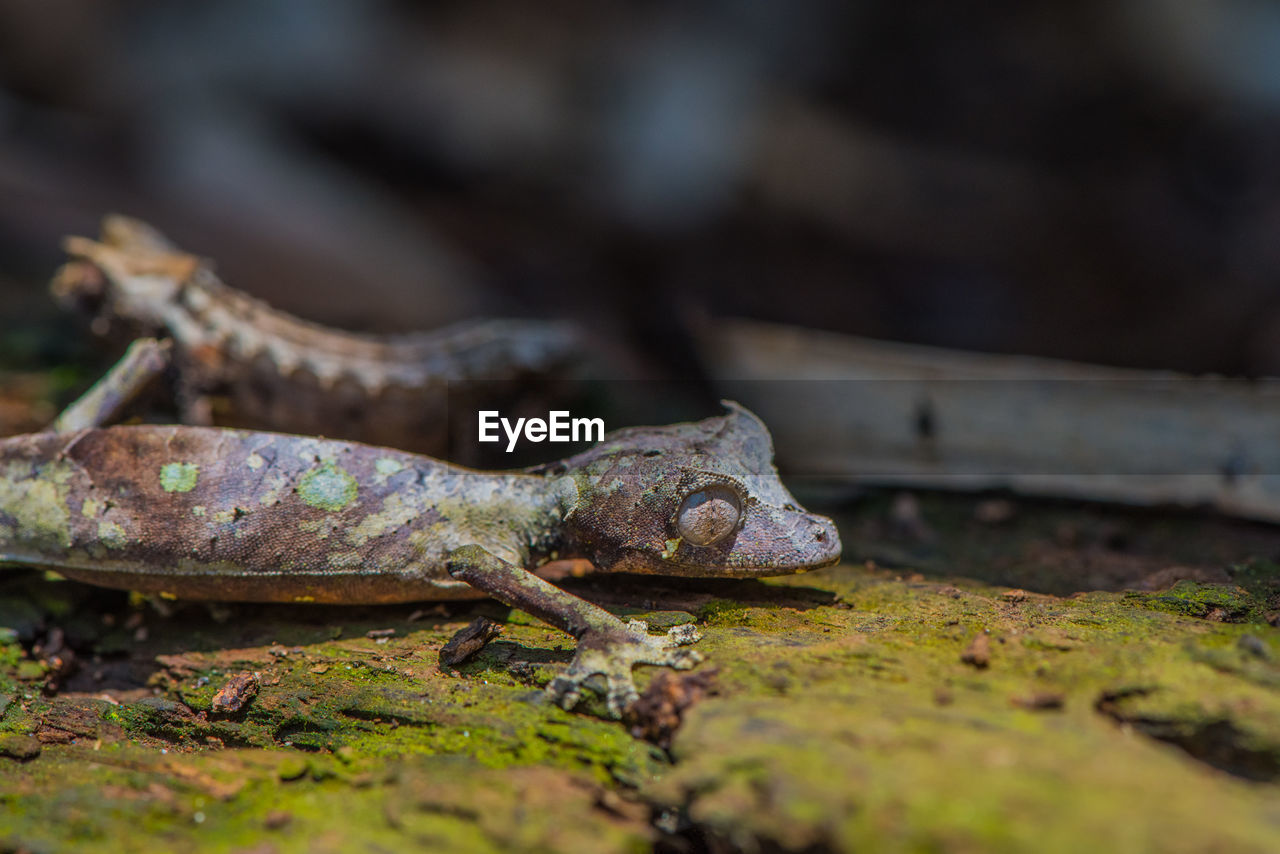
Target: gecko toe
{"x":684,"y":635}
{"x":685,"y":659}
{"x":622,"y":693}
{"x":613,"y":656}
{"x":564,"y":691}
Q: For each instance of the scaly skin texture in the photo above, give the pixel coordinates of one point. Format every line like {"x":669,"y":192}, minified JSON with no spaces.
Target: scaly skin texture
{"x":242,"y":363}
{"x":205,"y":513}
{"x":630,"y":486}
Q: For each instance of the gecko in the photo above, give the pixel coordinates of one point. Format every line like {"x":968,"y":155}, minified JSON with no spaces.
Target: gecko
{"x":223,"y":514}
{"x":238,"y":362}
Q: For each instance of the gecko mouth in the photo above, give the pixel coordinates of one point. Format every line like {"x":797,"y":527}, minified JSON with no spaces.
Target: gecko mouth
{"x":797,"y":544}
{"x":807,"y":543}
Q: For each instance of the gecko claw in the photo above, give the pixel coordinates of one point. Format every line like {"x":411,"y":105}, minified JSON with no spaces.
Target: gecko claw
{"x":613,"y":654}
{"x":564,"y":692}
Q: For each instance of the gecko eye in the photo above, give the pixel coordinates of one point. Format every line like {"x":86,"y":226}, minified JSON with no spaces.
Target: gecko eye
{"x":708,"y":515}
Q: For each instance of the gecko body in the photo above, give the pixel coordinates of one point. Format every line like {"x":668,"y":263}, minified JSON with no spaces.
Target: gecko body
{"x":210,"y":513}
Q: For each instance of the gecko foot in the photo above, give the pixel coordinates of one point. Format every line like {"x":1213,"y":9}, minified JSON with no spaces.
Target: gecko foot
{"x":612,"y":654}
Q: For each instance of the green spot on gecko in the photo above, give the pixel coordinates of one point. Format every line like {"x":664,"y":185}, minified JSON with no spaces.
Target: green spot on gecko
{"x":112,"y":535}
{"x":328,"y":488}
{"x":37,"y":505}
{"x":179,"y":477}
{"x":386,"y":466}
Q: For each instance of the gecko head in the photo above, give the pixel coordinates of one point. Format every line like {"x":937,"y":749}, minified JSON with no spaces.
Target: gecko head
{"x":128,"y":278}
{"x":700,"y":499}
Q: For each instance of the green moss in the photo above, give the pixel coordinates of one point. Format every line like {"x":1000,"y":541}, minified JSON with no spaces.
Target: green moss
{"x":867,"y":731}
{"x":18,"y":746}
{"x":136,"y":800}
{"x":1260,"y":577}
{"x":1214,"y":601}
{"x":890,"y":770}
{"x":30,"y":671}
{"x":722,"y":612}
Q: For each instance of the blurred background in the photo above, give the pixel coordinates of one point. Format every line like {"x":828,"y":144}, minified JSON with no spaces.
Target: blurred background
{"x":1095,"y":181}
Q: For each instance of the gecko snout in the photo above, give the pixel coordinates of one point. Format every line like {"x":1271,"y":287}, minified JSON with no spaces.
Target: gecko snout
{"x":824,"y":544}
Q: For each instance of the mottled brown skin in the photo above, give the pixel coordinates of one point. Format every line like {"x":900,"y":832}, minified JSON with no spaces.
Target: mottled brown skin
{"x":207,"y":513}
{"x":241,"y":363}
{"x":631,"y":484}
{"x":245,"y":531}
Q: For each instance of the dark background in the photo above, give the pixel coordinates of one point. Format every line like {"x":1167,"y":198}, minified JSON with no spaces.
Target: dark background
{"x":1095,"y":180}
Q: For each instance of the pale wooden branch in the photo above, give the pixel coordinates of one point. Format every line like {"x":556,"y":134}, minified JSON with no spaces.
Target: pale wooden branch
{"x":883,"y":413}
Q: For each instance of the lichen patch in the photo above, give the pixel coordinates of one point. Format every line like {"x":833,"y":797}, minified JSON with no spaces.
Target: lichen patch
{"x":328,"y":487}
{"x":179,"y":477}
{"x":38,"y":508}
{"x":385,"y":467}
{"x":112,"y":535}
{"x":395,"y":513}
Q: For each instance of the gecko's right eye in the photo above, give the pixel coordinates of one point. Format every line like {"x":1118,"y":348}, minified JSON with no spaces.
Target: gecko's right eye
{"x":709,"y":515}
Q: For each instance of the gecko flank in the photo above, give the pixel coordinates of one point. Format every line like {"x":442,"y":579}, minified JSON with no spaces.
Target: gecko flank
{"x":205,"y":513}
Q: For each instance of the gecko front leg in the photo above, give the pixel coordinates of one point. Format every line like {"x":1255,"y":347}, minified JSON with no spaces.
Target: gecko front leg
{"x":606,"y":645}
{"x":145,"y":360}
